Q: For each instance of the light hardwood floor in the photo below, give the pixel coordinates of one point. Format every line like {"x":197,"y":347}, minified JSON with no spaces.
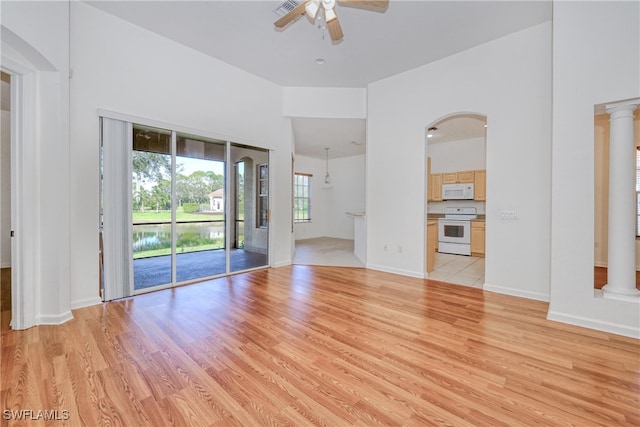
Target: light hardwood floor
{"x":305,"y":345}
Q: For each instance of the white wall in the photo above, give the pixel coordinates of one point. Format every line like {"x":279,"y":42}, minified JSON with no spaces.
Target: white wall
{"x":39,"y":53}
{"x":347,"y":195}
{"x":127,"y":69}
{"x":596,"y":60}
{"x":329,"y":206}
{"x":454,"y":156}
{"x":509,"y":81}
{"x":325,"y":102}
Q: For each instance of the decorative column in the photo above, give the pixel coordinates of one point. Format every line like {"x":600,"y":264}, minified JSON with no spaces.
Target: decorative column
{"x":621,"y":271}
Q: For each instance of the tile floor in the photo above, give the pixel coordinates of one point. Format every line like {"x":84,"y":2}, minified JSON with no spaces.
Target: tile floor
{"x":326,"y":251}
{"x":459,"y":270}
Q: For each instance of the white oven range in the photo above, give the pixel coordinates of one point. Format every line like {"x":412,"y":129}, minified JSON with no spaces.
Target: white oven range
{"x":454,"y":231}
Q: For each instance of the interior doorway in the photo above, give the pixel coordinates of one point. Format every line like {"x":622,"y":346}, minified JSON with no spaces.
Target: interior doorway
{"x":5,"y":201}
{"x":456,"y":199}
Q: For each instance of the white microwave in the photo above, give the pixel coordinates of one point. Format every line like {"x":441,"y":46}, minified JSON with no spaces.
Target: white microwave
{"x":457,"y":191}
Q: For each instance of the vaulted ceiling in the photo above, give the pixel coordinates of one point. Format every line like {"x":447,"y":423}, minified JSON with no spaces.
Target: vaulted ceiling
{"x":375,"y":45}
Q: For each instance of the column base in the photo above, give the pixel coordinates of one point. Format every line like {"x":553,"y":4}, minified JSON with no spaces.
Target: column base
{"x":622,"y":294}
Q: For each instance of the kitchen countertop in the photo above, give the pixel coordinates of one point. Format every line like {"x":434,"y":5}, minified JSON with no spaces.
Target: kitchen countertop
{"x":438,"y":216}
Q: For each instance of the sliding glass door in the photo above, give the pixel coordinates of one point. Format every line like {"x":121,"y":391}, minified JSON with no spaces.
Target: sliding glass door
{"x":198,"y":207}
{"x":151,"y":207}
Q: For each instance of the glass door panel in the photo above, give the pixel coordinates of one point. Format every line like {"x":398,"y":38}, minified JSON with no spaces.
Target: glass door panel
{"x":151,"y":205}
{"x":249,"y":208}
{"x":185,"y":225}
{"x":200,"y":208}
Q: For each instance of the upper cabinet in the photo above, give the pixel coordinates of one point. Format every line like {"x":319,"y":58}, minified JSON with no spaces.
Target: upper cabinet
{"x":435,"y":187}
{"x":434,"y":184}
{"x":477,"y":177}
{"x":480,"y":185}
{"x":464,"y":177}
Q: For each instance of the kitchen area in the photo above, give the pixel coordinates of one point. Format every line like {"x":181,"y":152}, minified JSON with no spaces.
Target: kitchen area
{"x":456,"y":198}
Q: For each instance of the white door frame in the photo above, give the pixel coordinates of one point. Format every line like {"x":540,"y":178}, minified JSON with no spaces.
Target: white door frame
{"x":22,"y":92}
{"x":23,"y":145}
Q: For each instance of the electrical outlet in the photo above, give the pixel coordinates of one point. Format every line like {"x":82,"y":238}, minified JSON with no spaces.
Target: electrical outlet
{"x":399,"y":249}
{"x":386,"y":247}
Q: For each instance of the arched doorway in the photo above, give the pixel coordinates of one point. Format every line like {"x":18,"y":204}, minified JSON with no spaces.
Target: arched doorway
{"x":456,"y":198}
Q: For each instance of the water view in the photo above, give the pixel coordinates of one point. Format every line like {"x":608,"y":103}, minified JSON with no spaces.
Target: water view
{"x":155,"y":239}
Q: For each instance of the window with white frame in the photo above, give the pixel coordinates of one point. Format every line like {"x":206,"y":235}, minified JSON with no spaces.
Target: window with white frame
{"x":263,"y":196}
{"x":302,"y":197}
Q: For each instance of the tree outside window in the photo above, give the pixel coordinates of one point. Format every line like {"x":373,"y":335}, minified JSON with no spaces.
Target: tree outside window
{"x":302,"y":197}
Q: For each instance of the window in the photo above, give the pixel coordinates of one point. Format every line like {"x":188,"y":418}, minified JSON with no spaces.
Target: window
{"x":263,"y":196}
{"x":302,"y":197}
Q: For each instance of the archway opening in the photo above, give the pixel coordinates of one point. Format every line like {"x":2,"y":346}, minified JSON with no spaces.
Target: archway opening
{"x":456,"y":198}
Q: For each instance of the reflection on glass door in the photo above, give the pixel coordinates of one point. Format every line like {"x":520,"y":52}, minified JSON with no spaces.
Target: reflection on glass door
{"x":200,"y":208}
{"x":238,"y":207}
{"x":250,"y":208}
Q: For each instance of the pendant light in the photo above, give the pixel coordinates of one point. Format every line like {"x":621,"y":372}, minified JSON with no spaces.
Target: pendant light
{"x":327,"y":177}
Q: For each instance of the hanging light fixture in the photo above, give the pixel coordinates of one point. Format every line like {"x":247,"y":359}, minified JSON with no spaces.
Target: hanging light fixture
{"x":327,"y":177}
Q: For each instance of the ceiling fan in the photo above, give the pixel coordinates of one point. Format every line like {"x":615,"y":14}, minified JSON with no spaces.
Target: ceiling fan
{"x":325,"y":10}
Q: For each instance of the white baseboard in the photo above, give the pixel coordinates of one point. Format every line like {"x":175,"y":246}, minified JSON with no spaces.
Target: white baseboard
{"x":5,"y":265}
{"x":417,"y":275}
{"x":85,"y":302}
{"x":598,"y":325}
{"x":58,"y":319}
{"x":605,"y":265}
{"x":516,"y":292}
{"x":281,"y":263}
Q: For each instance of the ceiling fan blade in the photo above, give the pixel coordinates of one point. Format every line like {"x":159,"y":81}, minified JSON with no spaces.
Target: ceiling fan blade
{"x":295,"y":12}
{"x":335,"y":30}
{"x":373,"y":5}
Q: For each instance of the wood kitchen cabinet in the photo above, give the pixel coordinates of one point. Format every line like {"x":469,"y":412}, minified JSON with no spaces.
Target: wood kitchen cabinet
{"x":450,"y":177}
{"x":428,"y":185}
{"x":435,"y":187}
{"x":477,"y":238}
{"x":480,"y":185}
{"x":432,"y":240}
{"x":466,"y":177}
{"x":463,"y":177}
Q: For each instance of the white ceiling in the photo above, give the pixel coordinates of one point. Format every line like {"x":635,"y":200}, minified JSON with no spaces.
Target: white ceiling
{"x":376,"y":45}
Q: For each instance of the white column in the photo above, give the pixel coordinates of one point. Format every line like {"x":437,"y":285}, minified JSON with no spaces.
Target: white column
{"x":622,"y":203}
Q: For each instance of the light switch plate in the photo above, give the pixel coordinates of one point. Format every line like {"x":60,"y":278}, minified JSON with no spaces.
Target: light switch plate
{"x":509,"y":215}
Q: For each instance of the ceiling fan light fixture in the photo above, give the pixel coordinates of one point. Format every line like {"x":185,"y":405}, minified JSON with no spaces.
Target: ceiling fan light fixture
{"x":328,"y":4}
{"x":312,"y":7}
{"x":326,"y":17}
{"x":329,"y":15}
{"x":327,"y":177}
